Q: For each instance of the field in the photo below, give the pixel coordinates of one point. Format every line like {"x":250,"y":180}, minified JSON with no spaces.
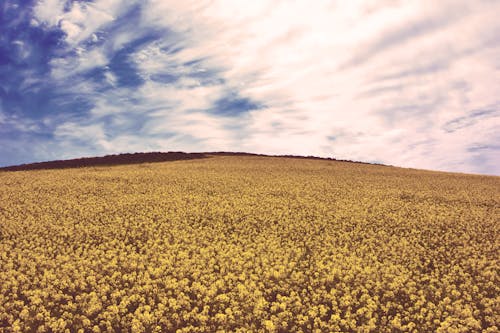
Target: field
{"x":248,"y":244}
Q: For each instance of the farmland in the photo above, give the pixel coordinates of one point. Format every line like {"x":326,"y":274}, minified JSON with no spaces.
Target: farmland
{"x":248,"y":244}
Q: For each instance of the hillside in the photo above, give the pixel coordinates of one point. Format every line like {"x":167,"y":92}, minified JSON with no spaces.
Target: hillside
{"x":247,"y":243}
{"x":108,"y":160}
{"x":139,"y":158}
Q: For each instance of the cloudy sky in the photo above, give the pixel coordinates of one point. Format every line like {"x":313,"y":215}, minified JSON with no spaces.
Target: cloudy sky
{"x":406,"y":83}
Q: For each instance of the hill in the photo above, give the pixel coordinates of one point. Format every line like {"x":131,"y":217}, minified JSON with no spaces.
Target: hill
{"x":248,"y":243}
{"x":108,"y":160}
{"x":138,"y":158}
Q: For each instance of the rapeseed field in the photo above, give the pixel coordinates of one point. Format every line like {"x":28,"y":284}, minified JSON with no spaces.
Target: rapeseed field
{"x":248,"y":244}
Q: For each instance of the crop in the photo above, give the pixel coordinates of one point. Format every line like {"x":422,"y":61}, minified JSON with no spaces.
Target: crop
{"x":248,"y":244}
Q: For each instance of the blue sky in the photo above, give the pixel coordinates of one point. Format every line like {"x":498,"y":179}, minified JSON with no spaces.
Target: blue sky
{"x":407,"y":83}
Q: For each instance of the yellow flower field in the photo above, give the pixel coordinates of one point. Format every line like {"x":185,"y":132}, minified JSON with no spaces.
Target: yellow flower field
{"x":249,"y":244}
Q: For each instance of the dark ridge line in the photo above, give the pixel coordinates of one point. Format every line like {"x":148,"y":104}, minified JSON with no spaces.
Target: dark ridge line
{"x":108,"y":160}
{"x":308,"y":157}
{"x":153,"y":157}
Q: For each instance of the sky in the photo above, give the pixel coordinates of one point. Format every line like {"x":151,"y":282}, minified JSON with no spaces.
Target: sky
{"x":408,"y":83}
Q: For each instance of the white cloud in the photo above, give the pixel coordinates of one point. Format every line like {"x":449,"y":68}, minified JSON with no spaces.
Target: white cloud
{"x":366,"y":80}
{"x":80,"y":24}
{"x":110,"y":78}
{"x":23,"y":50}
{"x":49,"y":11}
{"x":63,"y":68}
{"x":310,"y":62}
{"x":82,"y":20}
{"x":74,"y":130}
{"x":15,"y":123}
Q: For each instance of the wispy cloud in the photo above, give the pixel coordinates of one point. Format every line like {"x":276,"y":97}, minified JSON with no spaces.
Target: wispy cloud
{"x":398,"y":82}
{"x":471,"y":119}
